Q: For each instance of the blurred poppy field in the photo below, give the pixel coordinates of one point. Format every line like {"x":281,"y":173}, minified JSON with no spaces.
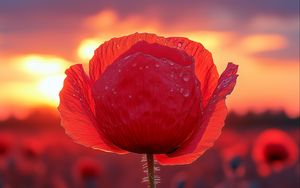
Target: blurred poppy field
{"x":35,"y":152}
{"x":259,"y":145}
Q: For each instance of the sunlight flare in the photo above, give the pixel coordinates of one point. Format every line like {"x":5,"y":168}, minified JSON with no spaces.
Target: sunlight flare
{"x":43,"y":65}
{"x":50,"y":87}
{"x":86,"y":48}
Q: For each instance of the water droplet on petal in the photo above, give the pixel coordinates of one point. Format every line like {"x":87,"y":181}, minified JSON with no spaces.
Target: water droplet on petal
{"x":172,"y":75}
{"x":186,"y":77}
{"x":156,"y":65}
{"x":147,"y":67}
{"x":179,"y":45}
{"x":106,"y":87}
{"x":134,"y":64}
{"x":140,"y":68}
{"x":119,"y":70}
{"x":181,"y":90}
{"x":129,"y":96}
{"x":186,"y":93}
{"x":171,"y":63}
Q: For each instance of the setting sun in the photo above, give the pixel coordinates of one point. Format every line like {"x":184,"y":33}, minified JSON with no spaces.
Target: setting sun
{"x":39,"y":82}
{"x":86,"y":48}
{"x":43,"y":65}
{"x":50,"y":87}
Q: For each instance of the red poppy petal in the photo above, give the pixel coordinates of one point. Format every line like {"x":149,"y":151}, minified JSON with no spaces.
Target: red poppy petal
{"x":211,"y":124}
{"x":76,"y":110}
{"x":159,"y":51}
{"x":205,"y":68}
{"x":109,"y":51}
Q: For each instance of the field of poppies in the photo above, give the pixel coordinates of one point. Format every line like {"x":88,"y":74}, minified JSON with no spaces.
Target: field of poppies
{"x":43,"y":156}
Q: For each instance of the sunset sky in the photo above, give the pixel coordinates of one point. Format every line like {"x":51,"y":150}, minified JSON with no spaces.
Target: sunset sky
{"x":40,"y":39}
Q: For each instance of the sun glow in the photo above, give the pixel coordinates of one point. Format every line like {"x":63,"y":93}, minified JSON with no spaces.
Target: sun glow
{"x":86,"y":48}
{"x":43,"y":65}
{"x":46,"y":75}
{"x":262,"y":43}
{"x":50,"y":87}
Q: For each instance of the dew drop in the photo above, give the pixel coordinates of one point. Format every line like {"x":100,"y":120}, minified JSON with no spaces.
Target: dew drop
{"x":179,"y":45}
{"x":129,"y":96}
{"x":140,"y":68}
{"x":147,"y":67}
{"x":106,"y":88}
{"x":171,"y":63}
{"x":181,"y":90}
{"x":119,"y":70}
{"x":186,"y":93}
{"x":171,"y":90}
{"x":186,"y":77}
{"x":156,"y":65}
{"x":134,"y":64}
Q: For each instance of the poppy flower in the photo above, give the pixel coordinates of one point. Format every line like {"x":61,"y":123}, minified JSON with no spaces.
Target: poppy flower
{"x":147,"y":94}
{"x":4,"y":146}
{"x":86,"y":172}
{"x":273,"y":150}
{"x":31,"y":150}
{"x":87,"y":168}
{"x":179,"y":180}
{"x":233,"y":158}
{"x":5,"y":150}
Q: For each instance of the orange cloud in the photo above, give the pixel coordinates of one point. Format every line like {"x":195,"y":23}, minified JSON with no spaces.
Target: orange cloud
{"x":263,"y":42}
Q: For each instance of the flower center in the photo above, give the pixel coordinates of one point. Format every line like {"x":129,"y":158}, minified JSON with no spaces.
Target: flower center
{"x":276,"y":153}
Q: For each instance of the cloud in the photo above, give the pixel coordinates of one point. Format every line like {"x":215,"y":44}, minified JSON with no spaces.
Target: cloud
{"x":55,"y":26}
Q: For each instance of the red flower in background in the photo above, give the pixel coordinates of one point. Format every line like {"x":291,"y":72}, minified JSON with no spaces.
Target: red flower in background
{"x":87,"y":168}
{"x":274,"y":150}
{"x":5,"y":145}
{"x":147,"y":94}
{"x":233,"y":158}
{"x":87,"y":173}
{"x":31,"y":150}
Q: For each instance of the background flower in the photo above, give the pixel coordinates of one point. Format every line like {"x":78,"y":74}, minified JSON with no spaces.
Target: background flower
{"x":273,"y":151}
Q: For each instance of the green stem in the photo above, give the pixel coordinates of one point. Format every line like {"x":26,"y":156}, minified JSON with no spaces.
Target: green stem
{"x":150,"y":164}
